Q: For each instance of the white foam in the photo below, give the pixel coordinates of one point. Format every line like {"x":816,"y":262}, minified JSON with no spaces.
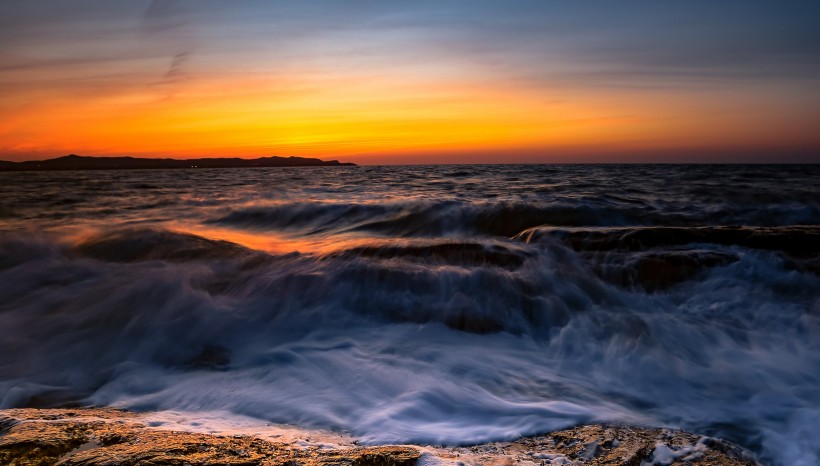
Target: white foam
{"x":331,"y":345}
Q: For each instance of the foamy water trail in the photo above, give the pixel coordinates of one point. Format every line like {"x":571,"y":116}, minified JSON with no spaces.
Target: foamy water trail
{"x":448,"y":315}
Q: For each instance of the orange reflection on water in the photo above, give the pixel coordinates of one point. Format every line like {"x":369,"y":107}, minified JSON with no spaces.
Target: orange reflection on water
{"x":276,"y":243}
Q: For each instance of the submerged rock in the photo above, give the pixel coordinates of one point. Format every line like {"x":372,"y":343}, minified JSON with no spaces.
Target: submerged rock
{"x":794,"y":240}
{"x":102,"y":436}
{"x":656,"y":270}
{"x":656,"y":258}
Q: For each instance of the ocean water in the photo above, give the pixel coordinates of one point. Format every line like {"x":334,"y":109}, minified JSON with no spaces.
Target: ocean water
{"x":427,"y":304}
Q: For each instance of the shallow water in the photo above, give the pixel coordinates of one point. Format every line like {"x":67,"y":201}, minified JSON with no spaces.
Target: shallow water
{"x":438,"y":304}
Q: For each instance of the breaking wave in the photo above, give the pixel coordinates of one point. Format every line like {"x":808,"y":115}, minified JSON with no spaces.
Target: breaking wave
{"x":453,"y":320}
{"x":449,"y":218}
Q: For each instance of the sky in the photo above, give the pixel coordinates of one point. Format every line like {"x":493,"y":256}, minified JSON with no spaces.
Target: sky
{"x":423,"y":81}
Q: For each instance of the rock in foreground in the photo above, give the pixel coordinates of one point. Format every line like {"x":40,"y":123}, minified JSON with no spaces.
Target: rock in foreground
{"x":111,"y":437}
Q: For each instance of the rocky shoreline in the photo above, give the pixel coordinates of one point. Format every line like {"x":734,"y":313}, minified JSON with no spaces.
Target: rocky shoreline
{"x":104,"y":436}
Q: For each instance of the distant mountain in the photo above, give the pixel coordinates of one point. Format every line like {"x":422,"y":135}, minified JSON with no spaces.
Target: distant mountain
{"x":76,"y":162}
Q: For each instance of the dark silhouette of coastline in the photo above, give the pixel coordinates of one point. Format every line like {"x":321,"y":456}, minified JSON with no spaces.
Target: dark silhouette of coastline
{"x":76,"y":162}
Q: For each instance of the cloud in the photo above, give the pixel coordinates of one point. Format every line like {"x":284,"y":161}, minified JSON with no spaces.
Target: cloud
{"x":166,"y":27}
{"x":175,"y":70}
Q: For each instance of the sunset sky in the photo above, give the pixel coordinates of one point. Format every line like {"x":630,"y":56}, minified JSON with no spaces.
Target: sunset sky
{"x":413,"y":81}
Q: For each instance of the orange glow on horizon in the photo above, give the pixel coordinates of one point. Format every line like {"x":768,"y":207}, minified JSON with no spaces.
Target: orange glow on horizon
{"x":370,"y":118}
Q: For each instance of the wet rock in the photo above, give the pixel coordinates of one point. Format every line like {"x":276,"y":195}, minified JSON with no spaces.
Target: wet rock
{"x":657,"y":270}
{"x":656,"y":258}
{"x":102,"y":437}
{"x":795,"y":240}
{"x":212,"y":357}
{"x":98,"y":437}
{"x":387,"y":456}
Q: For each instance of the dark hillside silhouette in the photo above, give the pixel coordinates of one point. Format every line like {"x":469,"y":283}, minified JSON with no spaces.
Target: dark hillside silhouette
{"x":76,"y":162}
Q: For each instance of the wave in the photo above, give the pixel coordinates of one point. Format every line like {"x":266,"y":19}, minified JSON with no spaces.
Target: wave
{"x":435,"y":305}
{"x":419,"y":340}
{"x":449,"y":253}
{"x":302,"y":217}
{"x":131,"y":245}
{"x":448,"y":218}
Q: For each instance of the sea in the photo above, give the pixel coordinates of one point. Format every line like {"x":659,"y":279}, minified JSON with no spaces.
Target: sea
{"x":449,"y":304}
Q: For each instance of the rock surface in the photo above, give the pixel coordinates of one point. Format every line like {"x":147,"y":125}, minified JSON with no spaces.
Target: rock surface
{"x":102,"y":436}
